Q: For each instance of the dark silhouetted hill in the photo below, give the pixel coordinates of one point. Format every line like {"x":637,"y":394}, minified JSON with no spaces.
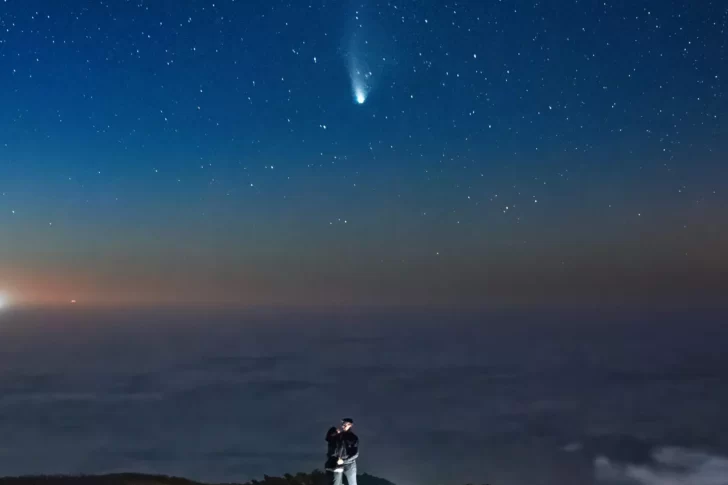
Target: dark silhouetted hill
{"x":314,"y":478}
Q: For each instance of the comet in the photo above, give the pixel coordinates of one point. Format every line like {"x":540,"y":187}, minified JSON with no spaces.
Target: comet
{"x":360,"y":78}
{"x":359,"y":73}
{"x":365,"y":51}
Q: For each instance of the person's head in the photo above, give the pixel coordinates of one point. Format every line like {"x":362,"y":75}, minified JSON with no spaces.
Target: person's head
{"x":347,"y":423}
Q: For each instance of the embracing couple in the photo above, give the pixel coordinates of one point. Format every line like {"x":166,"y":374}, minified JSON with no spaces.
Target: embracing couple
{"x":342,"y":453}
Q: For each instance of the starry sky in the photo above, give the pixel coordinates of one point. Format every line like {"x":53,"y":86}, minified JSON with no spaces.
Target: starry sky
{"x":334,"y":153}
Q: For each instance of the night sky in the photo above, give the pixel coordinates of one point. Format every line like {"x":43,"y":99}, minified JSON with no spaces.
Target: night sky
{"x":329,"y":153}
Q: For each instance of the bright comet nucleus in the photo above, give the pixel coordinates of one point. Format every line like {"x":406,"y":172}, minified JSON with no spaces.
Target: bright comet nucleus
{"x":360,"y":95}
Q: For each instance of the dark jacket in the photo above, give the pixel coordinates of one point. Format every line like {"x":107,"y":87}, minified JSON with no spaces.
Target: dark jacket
{"x":344,"y":445}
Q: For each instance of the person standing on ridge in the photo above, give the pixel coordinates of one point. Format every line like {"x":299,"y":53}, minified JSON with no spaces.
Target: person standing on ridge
{"x":343,"y":450}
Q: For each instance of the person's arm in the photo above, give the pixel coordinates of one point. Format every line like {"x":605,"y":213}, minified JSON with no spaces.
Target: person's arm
{"x":352,"y":449}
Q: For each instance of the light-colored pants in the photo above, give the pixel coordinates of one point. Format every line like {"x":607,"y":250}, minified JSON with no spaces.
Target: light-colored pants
{"x":349,"y":470}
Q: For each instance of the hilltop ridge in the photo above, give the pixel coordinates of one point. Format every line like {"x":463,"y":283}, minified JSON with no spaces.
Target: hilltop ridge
{"x":316,"y":477}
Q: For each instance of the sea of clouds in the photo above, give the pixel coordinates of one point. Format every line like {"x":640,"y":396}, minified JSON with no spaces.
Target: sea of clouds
{"x":669,"y":466}
{"x":501,"y":399}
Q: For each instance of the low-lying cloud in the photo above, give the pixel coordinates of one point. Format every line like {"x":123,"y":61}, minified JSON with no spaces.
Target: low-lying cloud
{"x":669,"y":466}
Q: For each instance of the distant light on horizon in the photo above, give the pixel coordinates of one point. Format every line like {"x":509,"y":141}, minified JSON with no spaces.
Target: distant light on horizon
{"x":4,"y":300}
